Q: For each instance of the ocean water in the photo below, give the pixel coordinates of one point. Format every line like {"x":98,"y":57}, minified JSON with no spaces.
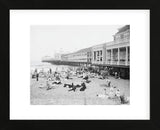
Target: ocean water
{"x":46,"y":66}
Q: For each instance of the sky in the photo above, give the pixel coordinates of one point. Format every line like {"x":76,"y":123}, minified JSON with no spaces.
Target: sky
{"x":46,"y":40}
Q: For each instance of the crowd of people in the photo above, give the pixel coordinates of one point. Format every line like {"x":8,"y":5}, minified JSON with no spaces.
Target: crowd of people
{"x":56,"y":78}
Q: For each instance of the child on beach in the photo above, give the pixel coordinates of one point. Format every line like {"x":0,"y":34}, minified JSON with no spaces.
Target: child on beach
{"x":117,"y":93}
{"x":108,"y":83}
{"x":48,"y":85}
{"x":37,"y":76}
{"x":112,"y":92}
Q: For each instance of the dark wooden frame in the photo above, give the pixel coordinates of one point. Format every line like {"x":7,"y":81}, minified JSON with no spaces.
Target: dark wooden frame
{"x":6,"y":123}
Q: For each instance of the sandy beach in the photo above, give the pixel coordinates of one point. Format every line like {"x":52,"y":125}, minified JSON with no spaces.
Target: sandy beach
{"x":60,"y":95}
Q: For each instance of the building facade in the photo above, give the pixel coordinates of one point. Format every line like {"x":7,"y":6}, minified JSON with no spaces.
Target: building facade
{"x":98,"y":54}
{"x":118,"y":53}
{"x":83,"y":55}
{"x":115,"y":54}
{"x":57,"y":56}
{"x":89,"y":56}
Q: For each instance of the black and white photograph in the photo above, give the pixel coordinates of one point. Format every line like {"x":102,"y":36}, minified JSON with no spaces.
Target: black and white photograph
{"x":80,"y":65}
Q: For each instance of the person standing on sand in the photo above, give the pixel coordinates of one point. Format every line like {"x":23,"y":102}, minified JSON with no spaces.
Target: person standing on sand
{"x":116,"y":75}
{"x":108,"y":83}
{"x":35,"y":71}
{"x":48,"y":84}
{"x":50,"y":71}
{"x":37,"y":76}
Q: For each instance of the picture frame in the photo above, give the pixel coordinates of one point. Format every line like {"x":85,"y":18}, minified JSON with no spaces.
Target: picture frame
{"x":41,"y":124}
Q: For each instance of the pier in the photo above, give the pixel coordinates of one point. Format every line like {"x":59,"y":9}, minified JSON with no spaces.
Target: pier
{"x":61,"y":62}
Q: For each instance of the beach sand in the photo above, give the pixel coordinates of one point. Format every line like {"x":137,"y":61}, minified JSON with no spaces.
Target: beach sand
{"x":60,"y":95}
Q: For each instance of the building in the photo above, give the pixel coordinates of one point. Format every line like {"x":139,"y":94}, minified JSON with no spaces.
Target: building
{"x":89,"y":55}
{"x":46,"y":58}
{"x":98,"y":53}
{"x":118,"y":52}
{"x":114,"y":54}
{"x":82,"y":56}
{"x":64,"y":57}
{"x":57,"y":56}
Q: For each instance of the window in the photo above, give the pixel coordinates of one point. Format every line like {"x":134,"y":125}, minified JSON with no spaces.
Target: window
{"x":101,"y":53}
{"x":100,"y":58}
{"x":94,"y":55}
{"x":122,"y":36}
{"x":97,"y":53}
